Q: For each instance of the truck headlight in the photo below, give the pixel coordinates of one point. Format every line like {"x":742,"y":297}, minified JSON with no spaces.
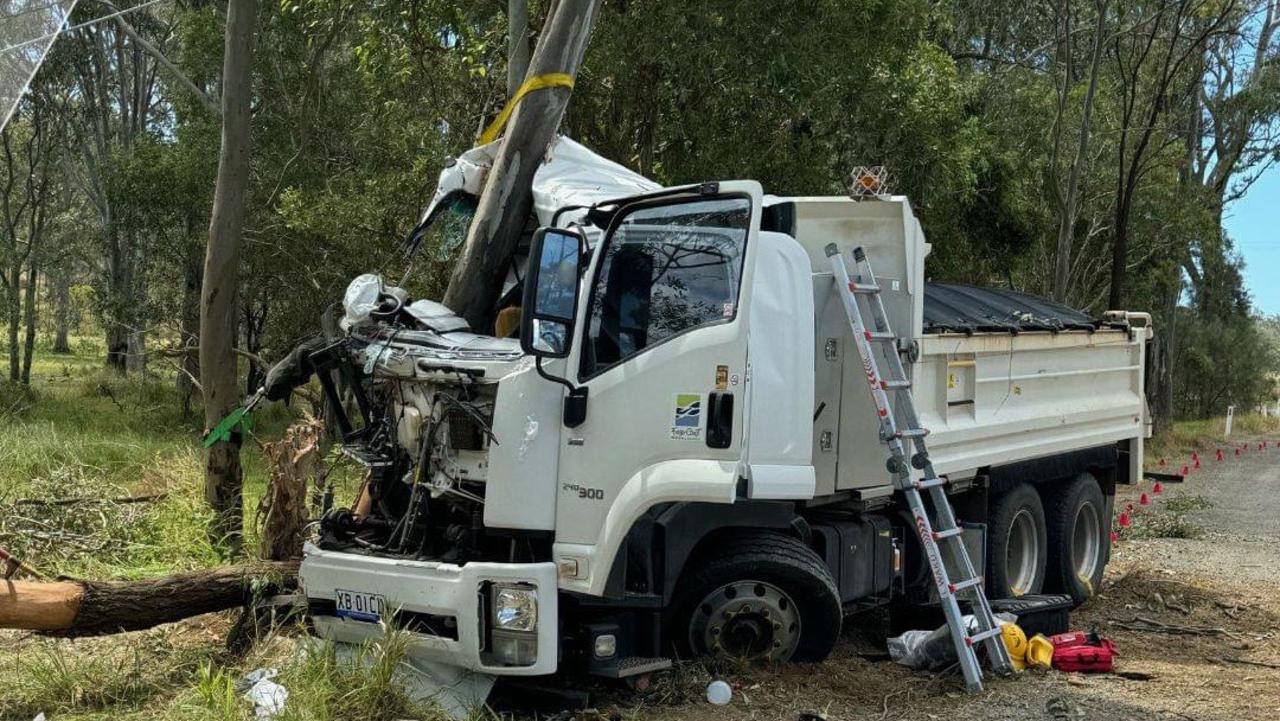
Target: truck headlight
{"x":515,"y":608}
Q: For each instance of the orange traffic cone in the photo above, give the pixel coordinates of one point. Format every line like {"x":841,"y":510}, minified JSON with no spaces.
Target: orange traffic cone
{"x":1128,"y":507}
{"x":1143,"y":500}
{"x":1185,"y":471}
{"x":1125,"y":522}
{"x":1115,"y":537}
{"x":1158,"y":488}
{"x":1162,"y":463}
{"x":1219,"y":457}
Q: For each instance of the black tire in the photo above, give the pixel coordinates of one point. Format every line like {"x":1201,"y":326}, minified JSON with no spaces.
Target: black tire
{"x":1079,"y":543}
{"x":761,"y":559}
{"x":1016,"y":523}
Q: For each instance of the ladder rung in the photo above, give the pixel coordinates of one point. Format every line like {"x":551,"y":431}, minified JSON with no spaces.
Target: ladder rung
{"x":929,"y":483}
{"x":967,"y":583}
{"x":865,"y":283}
{"x":984,"y":635}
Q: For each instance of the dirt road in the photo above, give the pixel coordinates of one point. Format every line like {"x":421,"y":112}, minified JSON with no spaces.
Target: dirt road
{"x":1217,"y":659}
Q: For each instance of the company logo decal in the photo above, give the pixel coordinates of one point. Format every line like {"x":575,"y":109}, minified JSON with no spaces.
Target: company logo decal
{"x":687,"y":421}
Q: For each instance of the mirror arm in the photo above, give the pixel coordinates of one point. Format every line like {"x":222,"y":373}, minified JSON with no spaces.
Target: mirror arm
{"x":575,"y":404}
{"x":554,"y":379}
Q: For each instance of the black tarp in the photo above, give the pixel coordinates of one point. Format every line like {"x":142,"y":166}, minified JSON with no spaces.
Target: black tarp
{"x":959,"y":308}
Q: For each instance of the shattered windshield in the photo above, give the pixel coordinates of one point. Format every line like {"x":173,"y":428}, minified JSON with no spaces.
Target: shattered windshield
{"x":442,"y":234}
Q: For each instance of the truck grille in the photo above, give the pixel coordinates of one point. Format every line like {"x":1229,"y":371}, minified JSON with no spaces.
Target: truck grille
{"x":464,"y":433}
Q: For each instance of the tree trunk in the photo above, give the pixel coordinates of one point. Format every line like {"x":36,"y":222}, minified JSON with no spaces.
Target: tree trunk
{"x":218,"y":306}
{"x":517,"y":44}
{"x":504,"y":205}
{"x":189,"y":330}
{"x":296,"y":460}
{"x":254,"y":322}
{"x":62,"y":312}
{"x":1119,"y":261}
{"x":15,"y":320}
{"x":1071,"y":200}
{"x":117,"y":346}
{"x":1167,"y":355}
{"x":137,"y":345}
{"x":29,"y":342}
{"x":95,"y":608}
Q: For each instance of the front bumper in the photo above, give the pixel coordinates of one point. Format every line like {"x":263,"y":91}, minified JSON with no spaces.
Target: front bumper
{"x":434,"y":591}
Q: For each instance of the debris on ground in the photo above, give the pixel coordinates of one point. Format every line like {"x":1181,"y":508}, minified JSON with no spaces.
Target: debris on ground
{"x":267,"y":696}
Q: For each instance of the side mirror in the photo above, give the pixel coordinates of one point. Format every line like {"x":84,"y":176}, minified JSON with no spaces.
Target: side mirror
{"x":551,"y":293}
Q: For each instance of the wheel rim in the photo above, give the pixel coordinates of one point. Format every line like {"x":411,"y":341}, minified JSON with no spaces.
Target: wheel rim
{"x":746,"y":619}
{"x":1086,"y":542}
{"x":1023,"y":555}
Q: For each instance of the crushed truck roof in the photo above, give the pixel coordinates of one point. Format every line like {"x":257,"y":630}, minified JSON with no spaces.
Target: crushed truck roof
{"x":572,"y":175}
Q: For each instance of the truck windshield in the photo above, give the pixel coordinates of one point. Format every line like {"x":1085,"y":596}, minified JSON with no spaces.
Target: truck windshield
{"x":666,"y":269}
{"x":446,"y":229}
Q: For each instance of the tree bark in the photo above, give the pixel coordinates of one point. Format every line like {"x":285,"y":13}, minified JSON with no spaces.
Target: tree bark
{"x":15,"y":320}
{"x":517,"y":44}
{"x":29,"y":313}
{"x":189,"y":329}
{"x":95,"y":608}
{"x":1071,"y":199}
{"x":505,"y":203}
{"x":62,"y":311}
{"x":137,"y":345}
{"x":218,"y":306}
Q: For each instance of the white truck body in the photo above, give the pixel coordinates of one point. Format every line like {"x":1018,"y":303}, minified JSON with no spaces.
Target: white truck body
{"x":804,"y":430}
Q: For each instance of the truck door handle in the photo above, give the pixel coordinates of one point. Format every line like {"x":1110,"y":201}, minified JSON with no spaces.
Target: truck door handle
{"x":719,"y":419}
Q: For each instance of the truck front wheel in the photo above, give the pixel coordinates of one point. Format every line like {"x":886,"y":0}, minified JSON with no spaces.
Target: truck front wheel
{"x":1016,"y":543}
{"x":757,"y":596}
{"x":1077,"y":538}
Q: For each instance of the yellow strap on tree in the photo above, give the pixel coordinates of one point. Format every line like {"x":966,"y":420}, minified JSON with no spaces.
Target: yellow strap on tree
{"x":537,"y":82}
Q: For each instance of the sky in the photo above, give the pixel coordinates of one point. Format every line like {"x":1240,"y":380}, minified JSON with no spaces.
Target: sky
{"x":1254,"y":223}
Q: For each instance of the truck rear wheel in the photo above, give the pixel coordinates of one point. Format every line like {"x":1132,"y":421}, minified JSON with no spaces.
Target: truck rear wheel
{"x":1016,"y":543}
{"x":1077,"y":538}
{"x":759,"y":596}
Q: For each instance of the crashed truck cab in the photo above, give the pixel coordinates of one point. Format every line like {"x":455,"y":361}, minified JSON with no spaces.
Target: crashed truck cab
{"x":547,"y":499}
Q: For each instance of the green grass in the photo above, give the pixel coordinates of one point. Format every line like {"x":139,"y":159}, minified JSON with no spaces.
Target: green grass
{"x":1204,"y":435}
{"x":82,"y":431}
{"x":166,"y":674}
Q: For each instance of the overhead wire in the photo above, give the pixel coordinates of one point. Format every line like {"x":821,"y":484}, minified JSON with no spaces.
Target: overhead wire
{"x":79,"y":26}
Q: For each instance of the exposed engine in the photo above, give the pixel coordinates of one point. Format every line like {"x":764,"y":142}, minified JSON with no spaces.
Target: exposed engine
{"x":412,"y":395}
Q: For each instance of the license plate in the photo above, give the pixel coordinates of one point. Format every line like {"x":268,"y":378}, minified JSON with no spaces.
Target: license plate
{"x":359,"y":606}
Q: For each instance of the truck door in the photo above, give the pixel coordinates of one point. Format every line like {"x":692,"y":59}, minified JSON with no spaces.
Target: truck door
{"x":662,"y":350}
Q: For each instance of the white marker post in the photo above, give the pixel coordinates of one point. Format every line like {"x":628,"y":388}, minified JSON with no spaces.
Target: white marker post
{"x":1231,"y":414}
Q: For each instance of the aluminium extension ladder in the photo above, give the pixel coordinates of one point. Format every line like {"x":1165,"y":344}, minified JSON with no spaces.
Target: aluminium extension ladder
{"x":945,"y":529}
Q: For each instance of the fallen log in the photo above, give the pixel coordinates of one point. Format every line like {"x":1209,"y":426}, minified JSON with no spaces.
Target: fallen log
{"x":73,"y":608}
{"x":80,"y":499}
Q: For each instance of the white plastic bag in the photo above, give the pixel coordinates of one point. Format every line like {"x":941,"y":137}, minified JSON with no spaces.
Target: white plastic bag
{"x":267,"y":696}
{"x":932,"y":650}
{"x":361,"y":299}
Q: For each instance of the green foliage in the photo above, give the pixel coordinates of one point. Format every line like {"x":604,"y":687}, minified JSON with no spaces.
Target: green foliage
{"x":82,"y":432}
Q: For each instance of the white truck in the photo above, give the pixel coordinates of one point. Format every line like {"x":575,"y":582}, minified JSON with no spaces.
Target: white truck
{"x":679,"y":455}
